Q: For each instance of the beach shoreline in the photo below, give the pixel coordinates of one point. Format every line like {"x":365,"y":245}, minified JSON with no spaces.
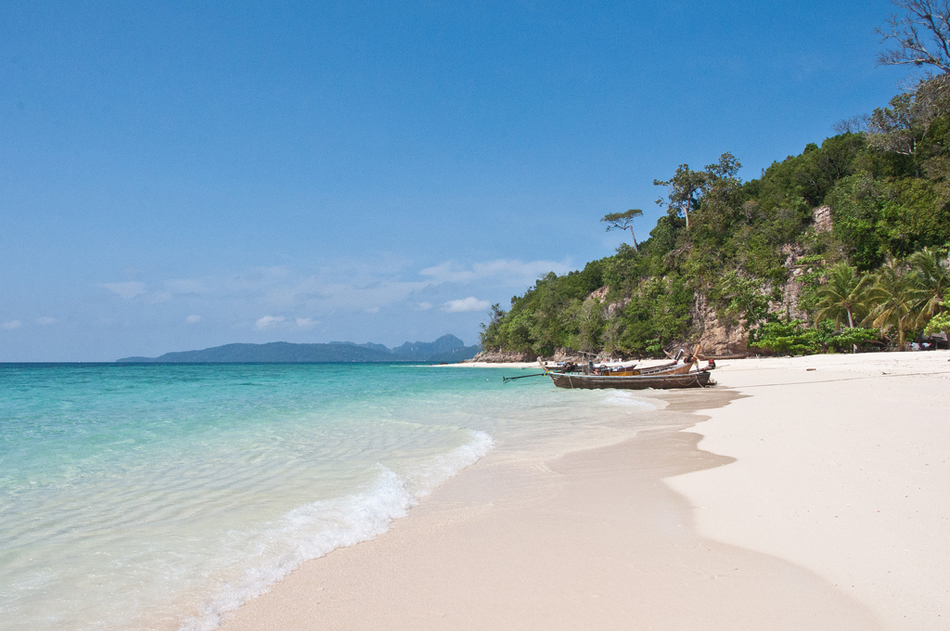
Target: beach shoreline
{"x":657,"y":531}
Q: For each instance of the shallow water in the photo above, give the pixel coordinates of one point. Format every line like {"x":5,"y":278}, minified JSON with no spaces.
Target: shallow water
{"x":160,"y":496}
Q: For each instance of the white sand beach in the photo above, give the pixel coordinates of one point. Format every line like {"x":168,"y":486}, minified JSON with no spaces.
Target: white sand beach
{"x":842,"y":467}
{"x":810,"y":493}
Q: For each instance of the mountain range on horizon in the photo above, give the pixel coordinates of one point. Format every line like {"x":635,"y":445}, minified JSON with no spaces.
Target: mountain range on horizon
{"x":447,"y":348}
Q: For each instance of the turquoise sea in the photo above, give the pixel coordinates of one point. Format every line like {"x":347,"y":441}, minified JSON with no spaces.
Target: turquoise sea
{"x":161,"y":496}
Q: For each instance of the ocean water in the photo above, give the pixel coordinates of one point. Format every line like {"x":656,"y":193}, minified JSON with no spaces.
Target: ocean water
{"x":162,"y":496}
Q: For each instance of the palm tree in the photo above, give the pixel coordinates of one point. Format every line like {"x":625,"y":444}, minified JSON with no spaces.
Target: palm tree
{"x":932,"y":277}
{"x":894,"y":299}
{"x":842,"y":294}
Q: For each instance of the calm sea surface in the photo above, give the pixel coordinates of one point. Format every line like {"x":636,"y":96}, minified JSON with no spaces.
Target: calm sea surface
{"x":160,"y":496}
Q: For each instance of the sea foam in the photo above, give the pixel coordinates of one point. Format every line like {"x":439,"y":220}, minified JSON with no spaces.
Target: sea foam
{"x":628,"y":399}
{"x":311,"y":531}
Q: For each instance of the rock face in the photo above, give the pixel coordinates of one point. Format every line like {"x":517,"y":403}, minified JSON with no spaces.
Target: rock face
{"x":721,"y":337}
{"x":792,"y":289}
{"x":822,"y":217}
{"x":502,"y":357}
{"x":718,"y":337}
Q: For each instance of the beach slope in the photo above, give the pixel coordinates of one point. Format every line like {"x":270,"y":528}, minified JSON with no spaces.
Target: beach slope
{"x":816,"y":496}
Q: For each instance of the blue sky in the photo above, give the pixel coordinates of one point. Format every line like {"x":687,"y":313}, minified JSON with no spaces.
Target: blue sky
{"x":178,"y":175}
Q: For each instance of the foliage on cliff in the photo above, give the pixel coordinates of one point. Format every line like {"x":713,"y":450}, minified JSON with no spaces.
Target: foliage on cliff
{"x":734,"y":248}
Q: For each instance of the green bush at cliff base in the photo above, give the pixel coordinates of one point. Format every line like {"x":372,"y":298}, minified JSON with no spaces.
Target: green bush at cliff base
{"x":940,"y":323}
{"x":792,"y":337}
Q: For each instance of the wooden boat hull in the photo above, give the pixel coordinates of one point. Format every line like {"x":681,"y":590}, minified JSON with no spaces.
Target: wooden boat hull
{"x":665,"y":381}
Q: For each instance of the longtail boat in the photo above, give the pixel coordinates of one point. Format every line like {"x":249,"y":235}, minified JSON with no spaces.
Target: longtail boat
{"x":657,"y":381}
{"x":619,"y":369}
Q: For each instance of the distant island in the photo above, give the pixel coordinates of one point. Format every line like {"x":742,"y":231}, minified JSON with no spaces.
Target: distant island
{"x":447,"y":348}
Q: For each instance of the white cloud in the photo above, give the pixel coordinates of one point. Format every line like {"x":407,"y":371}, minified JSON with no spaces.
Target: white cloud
{"x":193,"y":319}
{"x":12,"y":324}
{"x":45,"y":321}
{"x":186,"y":286}
{"x":284,"y":289}
{"x":268,"y":322}
{"x":465,"y":305}
{"x":448,"y":272}
{"x":324,"y":293}
{"x":127,"y":290}
{"x":506,"y":271}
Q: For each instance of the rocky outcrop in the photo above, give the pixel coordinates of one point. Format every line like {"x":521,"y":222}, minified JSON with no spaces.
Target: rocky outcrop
{"x":722,"y":337}
{"x":502,"y":357}
{"x":717,"y":336}
{"x":599,"y":294}
{"x":792,"y":288}
{"x":565,"y":355}
{"x":822,"y":218}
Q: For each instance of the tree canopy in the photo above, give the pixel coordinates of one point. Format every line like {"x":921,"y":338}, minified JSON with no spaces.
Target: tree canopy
{"x":622,"y":221}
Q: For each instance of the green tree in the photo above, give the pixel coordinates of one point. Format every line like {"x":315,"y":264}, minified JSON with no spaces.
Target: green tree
{"x":801,"y":183}
{"x":622,"y":221}
{"x":894,"y":298}
{"x":877,"y":217}
{"x":907,"y":127}
{"x":721,"y":203}
{"x":895,"y":128}
{"x":588,"y":319}
{"x":657,"y":313}
{"x":714,"y":186}
{"x":940,"y":323}
{"x":932,"y":277}
{"x":741,"y":298}
{"x":491,"y":336}
{"x":686,"y":188}
{"x":788,"y":337}
{"x":841,"y":295}
{"x":793,"y":337}
{"x":931,"y":273}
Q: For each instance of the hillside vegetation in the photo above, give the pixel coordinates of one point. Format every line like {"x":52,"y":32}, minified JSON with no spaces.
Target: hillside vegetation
{"x":840,"y":246}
